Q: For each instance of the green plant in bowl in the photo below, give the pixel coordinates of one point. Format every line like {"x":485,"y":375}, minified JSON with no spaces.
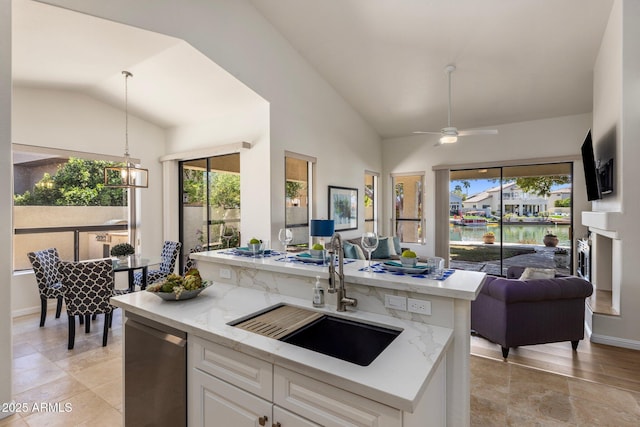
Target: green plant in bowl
{"x":317,"y":250}
{"x":408,"y":258}
{"x":122,"y":250}
{"x":255,"y":245}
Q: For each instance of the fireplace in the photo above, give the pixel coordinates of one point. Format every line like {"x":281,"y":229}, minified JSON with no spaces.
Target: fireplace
{"x":583,"y":268}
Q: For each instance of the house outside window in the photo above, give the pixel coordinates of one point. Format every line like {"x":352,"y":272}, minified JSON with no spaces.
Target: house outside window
{"x":298,"y":196}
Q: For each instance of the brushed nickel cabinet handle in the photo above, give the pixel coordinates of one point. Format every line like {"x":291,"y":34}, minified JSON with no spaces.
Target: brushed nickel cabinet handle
{"x":263,"y":420}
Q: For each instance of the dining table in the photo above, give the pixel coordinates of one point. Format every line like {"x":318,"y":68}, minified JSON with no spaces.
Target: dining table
{"x":132,"y":263}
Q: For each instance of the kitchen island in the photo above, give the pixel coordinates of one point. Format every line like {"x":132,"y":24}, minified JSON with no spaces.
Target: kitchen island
{"x":415,"y":381}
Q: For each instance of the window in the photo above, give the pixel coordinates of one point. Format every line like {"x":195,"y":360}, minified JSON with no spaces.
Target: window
{"x":371,"y":201}
{"x":520,"y":206}
{"x":59,"y":201}
{"x":298,"y":179}
{"x":408,"y":214}
{"x":210,"y":208}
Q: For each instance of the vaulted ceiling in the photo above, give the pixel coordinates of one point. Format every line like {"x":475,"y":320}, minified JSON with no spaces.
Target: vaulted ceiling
{"x":516,"y":60}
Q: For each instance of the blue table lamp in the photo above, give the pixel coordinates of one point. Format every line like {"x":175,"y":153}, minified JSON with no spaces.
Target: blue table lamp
{"x":321,"y":228}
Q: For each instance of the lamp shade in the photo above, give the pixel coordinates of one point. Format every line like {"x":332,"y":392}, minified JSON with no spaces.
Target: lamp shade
{"x":321,"y":227}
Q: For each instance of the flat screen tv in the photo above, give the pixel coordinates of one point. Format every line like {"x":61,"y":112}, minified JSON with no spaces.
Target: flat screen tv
{"x":590,"y":169}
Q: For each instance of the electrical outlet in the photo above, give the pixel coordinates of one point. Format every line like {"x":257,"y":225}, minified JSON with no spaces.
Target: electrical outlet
{"x":395,"y":302}
{"x":419,"y":306}
{"x":225,"y":273}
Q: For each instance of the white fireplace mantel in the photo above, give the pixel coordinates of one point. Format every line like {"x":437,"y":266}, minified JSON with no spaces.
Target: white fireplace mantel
{"x":603,"y":223}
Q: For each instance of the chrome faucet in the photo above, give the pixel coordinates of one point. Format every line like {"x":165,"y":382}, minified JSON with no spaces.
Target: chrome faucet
{"x":335,"y":244}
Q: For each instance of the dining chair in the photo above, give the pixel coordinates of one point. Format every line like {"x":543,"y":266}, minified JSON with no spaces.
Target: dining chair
{"x":170,"y":252}
{"x":45,"y":269}
{"x":87,"y":285}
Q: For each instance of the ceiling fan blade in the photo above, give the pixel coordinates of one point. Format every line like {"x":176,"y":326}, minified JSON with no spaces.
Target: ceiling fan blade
{"x":477,"y":132}
{"x":422,"y":132}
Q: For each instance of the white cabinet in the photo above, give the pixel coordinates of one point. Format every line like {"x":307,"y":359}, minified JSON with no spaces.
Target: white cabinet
{"x":229,"y":388}
{"x":213,"y":402}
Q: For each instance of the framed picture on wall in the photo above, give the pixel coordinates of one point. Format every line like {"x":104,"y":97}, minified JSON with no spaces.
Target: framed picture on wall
{"x":343,"y":207}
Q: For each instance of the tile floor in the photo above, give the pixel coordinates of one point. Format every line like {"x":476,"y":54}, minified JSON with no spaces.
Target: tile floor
{"x":89,"y":378}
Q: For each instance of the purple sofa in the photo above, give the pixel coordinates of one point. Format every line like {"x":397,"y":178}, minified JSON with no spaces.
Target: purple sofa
{"x":513,"y":312}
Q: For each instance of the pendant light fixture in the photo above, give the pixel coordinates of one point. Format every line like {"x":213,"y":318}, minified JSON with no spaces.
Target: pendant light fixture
{"x":128,"y":175}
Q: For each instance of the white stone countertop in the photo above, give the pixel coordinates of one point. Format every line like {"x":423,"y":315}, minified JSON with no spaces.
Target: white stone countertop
{"x":461,"y":284}
{"x":397,"y":377}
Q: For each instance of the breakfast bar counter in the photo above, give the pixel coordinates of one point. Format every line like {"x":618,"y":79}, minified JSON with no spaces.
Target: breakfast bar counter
{"x":421,"y":378}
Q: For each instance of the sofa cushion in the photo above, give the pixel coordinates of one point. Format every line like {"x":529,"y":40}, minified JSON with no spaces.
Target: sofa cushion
{"x":537,"y":273}
{"x":350,"y":250}
{"x":396,"y":245}
{"x":382,"y":251}
{"x":392,"y":248}
{"x":515,"y":290}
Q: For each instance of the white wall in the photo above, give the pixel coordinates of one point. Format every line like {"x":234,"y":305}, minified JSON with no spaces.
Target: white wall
{"x":306,"y":114}
{"x":72,"y":121}
{"x":6,"y":191}
{"x":617,"y":132}
{"x":554,"y":137}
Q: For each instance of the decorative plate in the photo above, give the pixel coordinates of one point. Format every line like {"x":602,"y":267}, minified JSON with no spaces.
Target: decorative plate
{"x":184,"y":295}
{"x":310,"y":259}
{"x":249,"y":252}
{"x":394,"y":267}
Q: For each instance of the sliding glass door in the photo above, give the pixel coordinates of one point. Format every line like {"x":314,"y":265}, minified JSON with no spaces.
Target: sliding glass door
{"x":511,"y":216}
{"x":210,"y":208}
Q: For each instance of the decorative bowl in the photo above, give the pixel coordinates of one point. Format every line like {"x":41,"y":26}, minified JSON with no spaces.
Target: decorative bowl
{"x":254,"y":247}
{"x":408,"y":262}
{"x":316,"y":253}
{"x":184,"y":295}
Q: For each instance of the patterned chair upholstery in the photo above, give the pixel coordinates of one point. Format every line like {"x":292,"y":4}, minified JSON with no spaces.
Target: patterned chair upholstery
{"x":45,"y":268}
{"x":88,"y":285}
{"x":170,"y":252}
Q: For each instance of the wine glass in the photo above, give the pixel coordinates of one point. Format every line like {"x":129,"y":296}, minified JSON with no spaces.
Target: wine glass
{"x":369,"y":244}
{"x":228,"y":233}
{"x":285,"y":235}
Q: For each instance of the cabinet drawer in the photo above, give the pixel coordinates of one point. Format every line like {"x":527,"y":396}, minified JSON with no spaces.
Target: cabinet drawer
{"x":328,"y":405}
{"x":247,"y":372}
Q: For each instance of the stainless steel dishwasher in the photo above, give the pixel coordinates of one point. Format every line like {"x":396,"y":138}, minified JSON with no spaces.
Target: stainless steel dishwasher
{"x":155,"y":373}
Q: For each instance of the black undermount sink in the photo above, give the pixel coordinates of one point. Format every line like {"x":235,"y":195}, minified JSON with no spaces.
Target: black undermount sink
{"x":345,"y":339}
{"x":355,"y":342}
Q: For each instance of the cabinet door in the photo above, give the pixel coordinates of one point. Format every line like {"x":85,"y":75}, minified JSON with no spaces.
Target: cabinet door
{"x":284,"y":418}
{"x":327,"y":405}
{"x":213,"y":402}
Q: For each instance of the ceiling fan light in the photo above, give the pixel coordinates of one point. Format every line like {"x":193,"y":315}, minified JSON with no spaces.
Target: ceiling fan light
{"x":448,"y":139}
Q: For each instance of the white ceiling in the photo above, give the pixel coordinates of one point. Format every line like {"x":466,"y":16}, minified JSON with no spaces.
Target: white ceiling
{"x":173,"y":84}
{"x":516,"y":60}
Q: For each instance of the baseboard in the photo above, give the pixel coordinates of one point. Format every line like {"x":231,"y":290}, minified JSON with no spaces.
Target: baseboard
{"x":615,"y":341}
{"x":27,"y":311}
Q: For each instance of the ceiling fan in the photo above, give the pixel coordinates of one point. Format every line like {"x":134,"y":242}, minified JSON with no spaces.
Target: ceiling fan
{"x":450,"y":134}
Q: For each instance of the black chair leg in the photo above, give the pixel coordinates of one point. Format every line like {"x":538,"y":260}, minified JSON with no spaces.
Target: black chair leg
{"x":43,"y":310}
{"x":81,"y":319}
{"x":87,"y":323}
{"x":59,"y":307}
{"x":505,"y":352}
{"x":72,"y":331}
{"x":94,"y":316}
{"x":574,"y":344}
{"x":110,"y":319}
{"x":105,"y":332}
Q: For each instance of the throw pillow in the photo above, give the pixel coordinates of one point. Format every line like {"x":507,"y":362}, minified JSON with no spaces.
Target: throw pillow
{"x":396,"y":245}
{"x":538,"y":273}
{"x":392,"y":249}
{"x":350,"y":250}
{"x":359,"y":252}
{"x":382,"y":251}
